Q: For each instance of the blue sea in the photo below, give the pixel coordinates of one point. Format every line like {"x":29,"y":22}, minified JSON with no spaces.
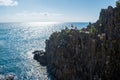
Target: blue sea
{"x":19,"y":40}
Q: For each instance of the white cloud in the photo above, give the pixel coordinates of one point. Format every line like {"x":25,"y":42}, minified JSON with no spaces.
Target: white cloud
{"x":8,"y":3}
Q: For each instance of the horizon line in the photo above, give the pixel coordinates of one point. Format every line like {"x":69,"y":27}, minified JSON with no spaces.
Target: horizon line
{"x":51,"y":22}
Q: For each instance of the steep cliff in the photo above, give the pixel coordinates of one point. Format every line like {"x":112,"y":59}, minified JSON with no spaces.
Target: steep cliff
{"x":87,"y":54}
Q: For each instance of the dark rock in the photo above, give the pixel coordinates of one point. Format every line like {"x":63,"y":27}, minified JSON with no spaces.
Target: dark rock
{"x":38,"y":52}
{"x":10,"y":76}
{"x":39,"y":55}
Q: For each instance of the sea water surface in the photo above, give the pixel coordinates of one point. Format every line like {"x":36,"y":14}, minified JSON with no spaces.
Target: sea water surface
{"x":18,"y":40}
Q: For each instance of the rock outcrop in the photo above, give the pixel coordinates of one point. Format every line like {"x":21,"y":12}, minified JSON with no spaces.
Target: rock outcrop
{"x":10,"y":76}
{"x":40,"y":57}
{"x":87,"y":54}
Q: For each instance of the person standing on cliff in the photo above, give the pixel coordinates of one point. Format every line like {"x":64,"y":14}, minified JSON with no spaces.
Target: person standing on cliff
{"x":90,"y":24}
{"x":75,"y":28}
{"x":72,"y":27}
{"x":66,"y":28}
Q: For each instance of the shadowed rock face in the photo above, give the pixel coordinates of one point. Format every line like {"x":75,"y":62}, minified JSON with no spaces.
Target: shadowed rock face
{"x":39,"y":56}
{"x":88,"y":54}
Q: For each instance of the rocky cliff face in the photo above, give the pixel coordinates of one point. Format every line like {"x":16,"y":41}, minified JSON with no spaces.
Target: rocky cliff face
{"x":88,"y":54}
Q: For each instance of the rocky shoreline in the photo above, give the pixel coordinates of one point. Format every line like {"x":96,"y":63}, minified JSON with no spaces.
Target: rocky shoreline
{"x":92,"y":53}
{"x":10,"y":76}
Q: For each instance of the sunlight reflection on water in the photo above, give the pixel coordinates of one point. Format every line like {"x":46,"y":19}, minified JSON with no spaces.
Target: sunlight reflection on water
{"x":18,"y":41}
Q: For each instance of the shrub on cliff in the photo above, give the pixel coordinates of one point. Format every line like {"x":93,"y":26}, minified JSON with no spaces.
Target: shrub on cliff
{"x":93,"y":29}
{"x":118,"y":3}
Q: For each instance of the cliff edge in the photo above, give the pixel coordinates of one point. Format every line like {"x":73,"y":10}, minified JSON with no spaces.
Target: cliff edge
{"x":92,"y":53}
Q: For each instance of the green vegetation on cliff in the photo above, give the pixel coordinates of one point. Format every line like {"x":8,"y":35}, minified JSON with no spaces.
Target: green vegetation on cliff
{"x":118,"y":3}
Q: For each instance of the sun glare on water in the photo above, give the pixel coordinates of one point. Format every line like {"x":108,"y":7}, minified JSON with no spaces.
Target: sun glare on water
{"x":43,"y":23}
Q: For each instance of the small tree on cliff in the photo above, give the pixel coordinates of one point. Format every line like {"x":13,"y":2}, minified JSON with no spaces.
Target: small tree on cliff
{"x":118,"y":3}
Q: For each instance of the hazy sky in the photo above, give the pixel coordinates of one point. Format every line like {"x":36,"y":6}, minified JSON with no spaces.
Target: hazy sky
{"x":52,"y":10}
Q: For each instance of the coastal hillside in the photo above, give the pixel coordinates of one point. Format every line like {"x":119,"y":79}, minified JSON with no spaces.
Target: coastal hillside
{"x":92,"y":53}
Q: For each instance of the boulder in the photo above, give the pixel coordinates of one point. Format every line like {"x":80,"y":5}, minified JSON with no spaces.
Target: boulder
{"x":39,"y":55}
{"x":9,"y":76}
